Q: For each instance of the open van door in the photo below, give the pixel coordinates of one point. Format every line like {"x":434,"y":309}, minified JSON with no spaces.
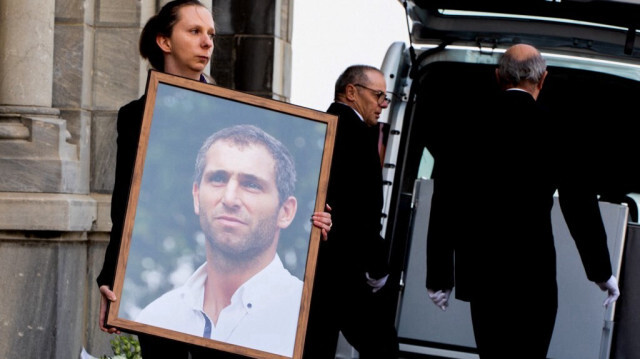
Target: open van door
{"x":593,"y":59}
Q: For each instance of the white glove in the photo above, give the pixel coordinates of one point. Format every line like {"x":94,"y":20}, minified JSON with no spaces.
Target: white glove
{"x":376,"y":284}
{"x":440,"y":298}
{"x":610,"y":286}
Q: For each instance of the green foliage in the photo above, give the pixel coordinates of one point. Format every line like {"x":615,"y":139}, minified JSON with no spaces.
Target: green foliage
{"x":125,"y":347}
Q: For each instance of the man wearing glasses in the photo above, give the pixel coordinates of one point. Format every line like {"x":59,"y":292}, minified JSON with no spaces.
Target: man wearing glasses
{"x":349,"y":293}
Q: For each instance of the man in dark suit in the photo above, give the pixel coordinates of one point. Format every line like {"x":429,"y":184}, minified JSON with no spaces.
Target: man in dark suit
{"x":349,"y":290}
{"x":491,"y":215}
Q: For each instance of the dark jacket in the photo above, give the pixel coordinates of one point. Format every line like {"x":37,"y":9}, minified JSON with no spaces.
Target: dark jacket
{"x":128,"y":126}
{"x":355,"y":195}
{"x":491,"y":207}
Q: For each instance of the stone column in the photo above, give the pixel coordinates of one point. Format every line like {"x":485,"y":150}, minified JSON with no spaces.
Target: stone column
{"x":37,"y":151}
{"x":45,"y":207}
{"x":26,"y":62}
{"x":253,"y":46}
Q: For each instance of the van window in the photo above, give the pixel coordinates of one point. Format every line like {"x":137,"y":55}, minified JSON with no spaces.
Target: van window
{"x":426,"y":164}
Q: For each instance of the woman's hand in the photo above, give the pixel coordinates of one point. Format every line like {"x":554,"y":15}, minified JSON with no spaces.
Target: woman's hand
{"x":106,"y":295}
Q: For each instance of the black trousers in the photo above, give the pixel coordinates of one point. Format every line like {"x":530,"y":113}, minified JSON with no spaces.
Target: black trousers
{"x":514,"y":326}
{"x":365,"y":319}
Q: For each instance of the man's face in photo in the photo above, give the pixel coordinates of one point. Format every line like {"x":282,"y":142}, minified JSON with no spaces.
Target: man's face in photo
{"x":237,"y":200}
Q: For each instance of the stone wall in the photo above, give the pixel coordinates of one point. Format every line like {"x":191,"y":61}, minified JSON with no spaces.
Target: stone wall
{"x":66,"y":68}
{"x":253,"y":46}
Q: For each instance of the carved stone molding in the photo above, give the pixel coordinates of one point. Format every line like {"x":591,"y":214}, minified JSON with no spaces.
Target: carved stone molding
{"x":47,"y":212}
{"x":37,"y":153}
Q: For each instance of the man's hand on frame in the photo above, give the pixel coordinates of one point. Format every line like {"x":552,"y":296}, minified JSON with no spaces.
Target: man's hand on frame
{"x":106,"y":295}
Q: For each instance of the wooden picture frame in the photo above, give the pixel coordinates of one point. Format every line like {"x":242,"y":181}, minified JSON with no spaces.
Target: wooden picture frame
{"x":163,"y":240}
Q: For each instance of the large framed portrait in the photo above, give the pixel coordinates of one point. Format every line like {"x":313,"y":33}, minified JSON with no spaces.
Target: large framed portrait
{"x":218,"y":248}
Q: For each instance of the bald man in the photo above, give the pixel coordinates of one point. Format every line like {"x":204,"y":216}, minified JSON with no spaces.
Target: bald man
{"x":499,"y":199}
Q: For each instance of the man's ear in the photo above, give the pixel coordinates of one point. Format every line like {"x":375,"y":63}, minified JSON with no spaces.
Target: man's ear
{"x":544,"y":76}
{"x":350,"y":92}
{"x":195,"y":191}
{"x":164,"y":43}
{"x":287,"y":212}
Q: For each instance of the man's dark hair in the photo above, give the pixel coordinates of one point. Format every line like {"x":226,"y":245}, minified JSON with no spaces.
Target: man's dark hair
{"x":355,"y":74}
{"x":244,"y":135}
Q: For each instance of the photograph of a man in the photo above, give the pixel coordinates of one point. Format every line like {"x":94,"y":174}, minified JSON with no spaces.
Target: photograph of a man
{"x":243,"y":194}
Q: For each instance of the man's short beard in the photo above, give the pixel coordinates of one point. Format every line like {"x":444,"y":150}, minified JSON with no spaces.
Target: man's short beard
{"x":230,"y":258}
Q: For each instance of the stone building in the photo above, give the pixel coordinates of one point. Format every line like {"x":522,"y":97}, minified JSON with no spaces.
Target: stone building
{"x":66,"y":66}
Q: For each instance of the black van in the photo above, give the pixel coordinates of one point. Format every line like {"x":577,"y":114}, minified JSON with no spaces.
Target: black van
{"x":593,"y":60}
